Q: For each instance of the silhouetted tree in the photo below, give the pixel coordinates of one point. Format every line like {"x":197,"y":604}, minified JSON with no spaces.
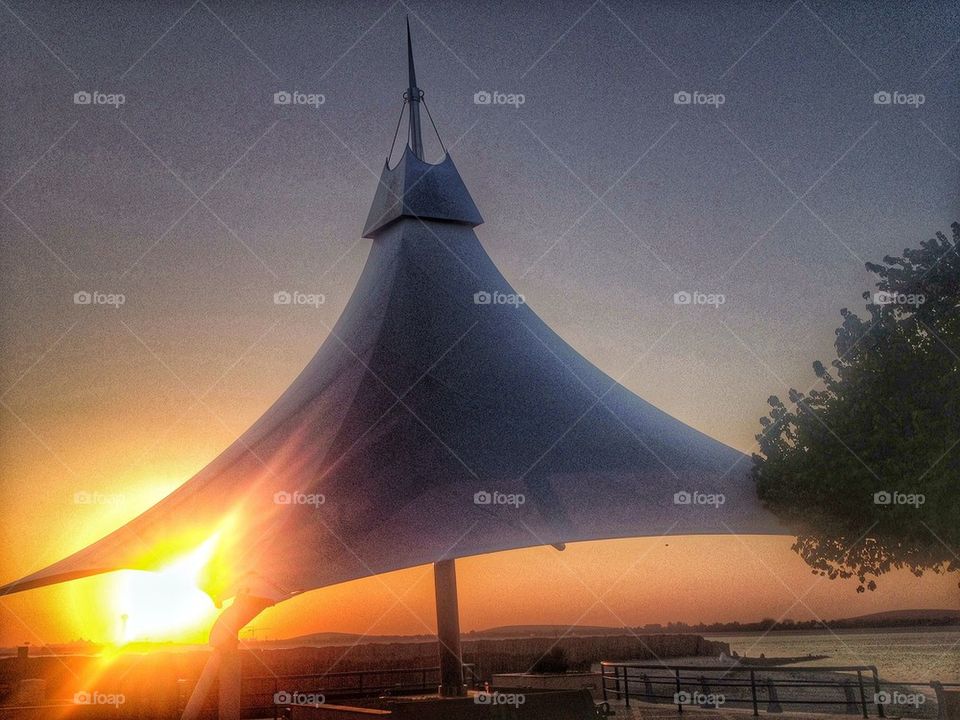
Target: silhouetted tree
{"x":867,"y":470}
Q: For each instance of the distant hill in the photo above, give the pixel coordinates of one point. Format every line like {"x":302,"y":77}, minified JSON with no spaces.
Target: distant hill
{"x":324,"y":639}
{"x":502,"y":632}
{"x":890,"y":619}
{"x":893,"y":618}
{"x":897,"y":615}
{"x":519,"y":631}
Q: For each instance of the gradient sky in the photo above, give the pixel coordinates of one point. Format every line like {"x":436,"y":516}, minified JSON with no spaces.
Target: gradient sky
{"x":199,"y":198}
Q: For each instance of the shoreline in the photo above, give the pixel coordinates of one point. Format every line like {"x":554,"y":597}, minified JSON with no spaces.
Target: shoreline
{"x":833,"y":631}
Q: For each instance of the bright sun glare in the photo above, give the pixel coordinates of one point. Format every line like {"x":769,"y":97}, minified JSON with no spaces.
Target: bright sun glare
{"x":165,"y":605}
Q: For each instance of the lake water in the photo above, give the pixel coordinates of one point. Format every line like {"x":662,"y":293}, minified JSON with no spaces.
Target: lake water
{"x":905,"y":656}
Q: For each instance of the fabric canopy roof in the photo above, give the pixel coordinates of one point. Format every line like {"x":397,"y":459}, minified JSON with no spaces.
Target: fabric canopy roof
{"x":440,"y":418}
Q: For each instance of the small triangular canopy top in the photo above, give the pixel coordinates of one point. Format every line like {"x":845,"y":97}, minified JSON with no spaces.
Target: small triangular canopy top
{"x":415,"y":188}
{"x":440,"y":418}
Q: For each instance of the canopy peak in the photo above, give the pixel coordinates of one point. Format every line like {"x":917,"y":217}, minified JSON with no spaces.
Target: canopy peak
{"x":413,"y":96}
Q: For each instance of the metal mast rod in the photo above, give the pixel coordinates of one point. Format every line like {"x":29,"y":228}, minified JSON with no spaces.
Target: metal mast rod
{"x":413,"y":97}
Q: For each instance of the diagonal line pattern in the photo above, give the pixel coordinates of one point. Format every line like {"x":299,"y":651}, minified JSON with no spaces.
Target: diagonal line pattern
{"x":598,"y":198}
{"x":39,"y":159}
{"x":640,"y":40}
{"x":841,"y":41}
{"x":356,"y":42}
{"x":390,"y":190}
{"x":439,"y":40}
{"x":157,"y":41}
{"x":40,"y":40}
{"x":758,"y":40}
{"x":798,"y":198}
{"x":599,"y":401}
{"x":399,"y":399}
{"x":40,"y":240}
{"x":199,"y":200}
{"x":559,"y":39}
{"x":598,"y":599}
{"x":799,"y":599}
{"x":796,"y":202}
{"x":239,"y":39}
{"x":38,"y":360}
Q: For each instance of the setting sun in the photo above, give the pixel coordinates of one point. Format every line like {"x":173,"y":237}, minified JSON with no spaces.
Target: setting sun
{"x":166,"y":605}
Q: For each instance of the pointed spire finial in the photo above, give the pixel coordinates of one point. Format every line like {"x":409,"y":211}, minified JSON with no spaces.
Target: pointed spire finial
{"x":411,"y":68}
{"x":413,"y":97}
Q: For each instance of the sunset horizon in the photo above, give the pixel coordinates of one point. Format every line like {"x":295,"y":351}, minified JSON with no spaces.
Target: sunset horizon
{"x":400,"y":321}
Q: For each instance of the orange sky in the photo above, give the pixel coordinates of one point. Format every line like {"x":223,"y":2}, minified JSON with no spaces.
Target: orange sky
{"x":622,"y":582}
{"x":100,"y":413}
{"x":129,"y":403}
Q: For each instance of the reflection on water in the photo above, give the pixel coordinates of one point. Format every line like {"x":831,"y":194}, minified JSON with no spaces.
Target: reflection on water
{"x":905,"y":656}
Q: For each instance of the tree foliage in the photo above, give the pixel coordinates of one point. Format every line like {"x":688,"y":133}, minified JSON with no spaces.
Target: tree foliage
{"x":886,"y":421}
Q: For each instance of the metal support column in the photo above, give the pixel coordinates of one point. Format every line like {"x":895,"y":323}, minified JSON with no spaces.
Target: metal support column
{"x":448,"y":629}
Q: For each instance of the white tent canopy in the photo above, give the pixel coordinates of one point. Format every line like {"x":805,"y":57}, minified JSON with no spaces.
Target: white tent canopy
{"x":441,"y":418}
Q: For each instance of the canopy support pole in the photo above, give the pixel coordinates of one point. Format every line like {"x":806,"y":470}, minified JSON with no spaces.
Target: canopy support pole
{"x":211,"y":669}
{"x":228,"y":685}
{"x":224,"y":664}
{"x":448,"y":629}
